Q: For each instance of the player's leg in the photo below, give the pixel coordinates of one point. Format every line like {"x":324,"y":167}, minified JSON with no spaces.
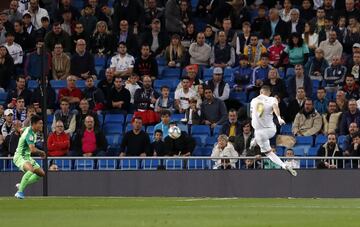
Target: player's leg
{"x":33,"y":172}
{"x":35,"y":177}
{"x":28,"y":169}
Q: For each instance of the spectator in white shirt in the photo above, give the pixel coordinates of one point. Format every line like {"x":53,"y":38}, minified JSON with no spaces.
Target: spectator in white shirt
{"x":13,"y":48}
{"x":183,"y":95}
{"x":132,"y":85}
{"x":295,"y":164}
{"x":122,"y":63}
{"x":36,"y":13}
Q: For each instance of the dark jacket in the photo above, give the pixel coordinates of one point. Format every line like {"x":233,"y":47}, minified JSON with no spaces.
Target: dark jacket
{"x":240,"y":144}
{"x":51,"y":39}
{"x":292,"y":87}
{"x":324,"y":151}
{"x":280,"y":28}
{"x":95,"y":97}
{"x":37,"y":96}
{"x":162,"y":39}
{"x":147,"y":66}
{"x":299,"y":27}
{"x":346,"y":119}
{"x":279,"y":88}
{"x":82,"y":64}
{"x":26,"y":94}
{"x":10,"y":144}
{"x":101,"y":142}
{"x":142,"y":98}
{"x":131,"y":43}
{"x":103,"y":42}
{"x":179,"y":146}
{"x":225,"y":129}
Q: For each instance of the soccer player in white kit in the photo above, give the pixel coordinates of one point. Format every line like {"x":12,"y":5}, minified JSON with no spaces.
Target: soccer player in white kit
{"x":262,"y":108}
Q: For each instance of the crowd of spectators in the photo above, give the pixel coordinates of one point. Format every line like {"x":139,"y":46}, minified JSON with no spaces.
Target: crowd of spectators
{"x":308,"y":52}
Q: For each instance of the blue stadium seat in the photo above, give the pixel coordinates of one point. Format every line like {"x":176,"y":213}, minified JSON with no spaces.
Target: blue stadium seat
{"x":171,"y":83}
{"x":50,"y":119}
{"x":171,"y":73}
{"x":80,"y":84}
{"x":58,"y":84}
{"x":78,"y":4}
{"x":210,"y":141}
{"x":84,"y":164}
{"x":3,"y":96}
{"x":341,"y":141}
{"x":100,"y":61}
{"x":228,"y":72}
{"x":113,"y":128}
{"x":217,"y":130}
{"x":200,"y":130}
{"x":128,"y":118}
{"x":290,"y":72}
{"x":196,"y":164}
{"x":150,"y":164}
{"x":32,"y":84}
{"x":106,"y":164}
{"x":304,"y":140}
{"x":183,"y":127}
{"x":177,"y":117}
{"x":114,"y":118}
{"x":313,"y":151}
{"x":10,"y":166}
{"x":101,"y":120}
{"x":307,"y":163}
{"x":2,"y":165}
{"x":63,"y":164}
{"x":114,"y":140}
{"x":240,"y":96}
{"x":280,"y":151}
{"x":208,"y":73}
{"x":202,"y":151}
{"x":130,"y":164}
{"x":199,"y":140}
{"x":286,"y":129}
{"x":161,"y":61}
{"x":174,"y":164}
{"x":320,"y":139}
{"x":298,"y":151}
{"x":150,"y":129}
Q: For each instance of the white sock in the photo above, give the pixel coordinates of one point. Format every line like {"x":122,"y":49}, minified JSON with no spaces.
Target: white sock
{"x":273,"y":157}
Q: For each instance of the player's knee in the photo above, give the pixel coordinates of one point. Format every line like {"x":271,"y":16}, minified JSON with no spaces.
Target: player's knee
{"x":40,"y":172}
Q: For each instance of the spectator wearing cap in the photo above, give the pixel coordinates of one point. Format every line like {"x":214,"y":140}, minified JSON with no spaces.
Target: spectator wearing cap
{"x":146,"y":63}
{"x":219,"y":87}
{"x":125,"y":35}
{"x":200,"y":52}
{"x":23,"y":38}
{"x":36,"y":13}
{"x":88,"y":20}
{"x":71,"y":92}
{"x":58,"y":142}
{"x":242,"y":74}
{"x":90,"y":140}
{"x":60,"y":63}
{"x":32,"y":69}
{"x":222,"y":54}
{"x":175,"y":53}
{"x":135,"y":142}
{"x":213,"y":110}
{"x":57,"y":35}
{"x":254,"y":50}
{"x":7,"y":128}
{"x":14,"y":49}
{"x":194,"y":81}
{"x":82,"y":61}
{"x":331,"y":46}
{"x":123,"y":63}
{"x":156,"y":38}
{"x":19,"y":91}
{"x":183,"y":95}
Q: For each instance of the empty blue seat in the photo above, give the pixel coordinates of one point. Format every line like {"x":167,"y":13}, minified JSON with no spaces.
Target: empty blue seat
{"x":150,"y":164}
{"x":228,"y":72}
{"x":106,"y":164}
{"x":130,"y":164}
{"x":113,"y":128}
{"x":200,"y":130}
{"x":195,"y":164}
{"x":171,"y":83}
{"x":208,"y":73}
{"x":161,"y":61}
{"x":171,"y":72}
{"x":286,"y":129}
{"x":341,"y":139}
{"x":101,"y":119}
{"x":298,"y":151}
{"x":32,"y":84}
{"x":174,"y":164}
{"x":313,"y":151}
{"x":290,"y":72}
{"x":320,"y":139}
{"x":63,"y":164}
{"x":84,"y":164}
{"x":307,"y":164}
{"x":217,"y":130}
{"x":58,"y":84}
{"x":240,"y":96}
{"x":177,"y":117}
{"x":114,"y":118}
{"x":100,"y":61}
{"x":128,"y":118}
{"x":210,"y":141}
{"x":280,"y":151}
{"x":199,"y":140}
{"x":202,"y":151}
{"x":114,"y":140}
{"x":3,"y":96}
{"x":304,"y":140}
{"x":150,"y":129}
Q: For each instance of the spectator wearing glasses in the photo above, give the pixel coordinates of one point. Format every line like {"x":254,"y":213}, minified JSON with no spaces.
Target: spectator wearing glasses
{"x":58,"y":142}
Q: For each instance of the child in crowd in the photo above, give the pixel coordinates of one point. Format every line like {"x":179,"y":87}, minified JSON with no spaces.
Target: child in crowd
{"x":164,"y":102}
{"x":192,"y":115}
{"x":157,"y":147}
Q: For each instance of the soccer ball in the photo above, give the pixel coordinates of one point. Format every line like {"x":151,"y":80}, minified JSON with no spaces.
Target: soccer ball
{"x":174,"y":132}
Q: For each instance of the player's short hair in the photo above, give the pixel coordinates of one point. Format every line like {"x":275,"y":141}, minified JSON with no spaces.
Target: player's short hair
{"x":266,"y":88}
{"x":35,"y":119}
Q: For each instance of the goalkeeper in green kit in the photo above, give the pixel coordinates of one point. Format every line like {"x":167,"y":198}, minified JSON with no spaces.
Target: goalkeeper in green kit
{"x":22,"y":158}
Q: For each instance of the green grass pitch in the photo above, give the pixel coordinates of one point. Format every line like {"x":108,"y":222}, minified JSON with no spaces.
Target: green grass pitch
{"x":184,"y":212}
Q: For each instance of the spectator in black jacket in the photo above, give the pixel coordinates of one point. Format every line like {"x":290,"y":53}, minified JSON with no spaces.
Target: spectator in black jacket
{"x":101,"y":42}
{"x":84,"y":142}
{"x":37,"y":97}
{"x":82,"y":62}
{"x":19,"y":91}
{"x":119,"y":99}
{"x":11,"y":141}
{"x":354,"y":150}
{"x":329,"y":149}
{"x":93,"y":95}
{"x":135,"y":142}
{"x":146,"y":63}
{"x":295,"y":24}
{"x":299,"y":80}
{"x":232,"y":127}
{"x":280,"y":27}
{"x":127,"y":36}
{"x":182,"y":146}
{"x":23,"y":38}
{"x":156,"y":38}
{"x":106,"y":84}
{"x":83,"y":113}
{"x":128,"y":10}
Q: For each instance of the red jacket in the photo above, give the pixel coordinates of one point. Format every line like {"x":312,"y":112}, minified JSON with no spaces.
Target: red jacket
{"x":58,"y":145}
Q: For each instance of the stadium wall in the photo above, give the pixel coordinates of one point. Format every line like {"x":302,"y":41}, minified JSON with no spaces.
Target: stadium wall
{"x":251,"y":183}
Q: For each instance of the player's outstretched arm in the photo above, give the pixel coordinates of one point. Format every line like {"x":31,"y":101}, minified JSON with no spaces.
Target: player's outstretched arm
{"x":35,"y":150}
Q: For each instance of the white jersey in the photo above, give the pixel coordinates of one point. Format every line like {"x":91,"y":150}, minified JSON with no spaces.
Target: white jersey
{"x":122,"y":64}
{"x":261,"y":109}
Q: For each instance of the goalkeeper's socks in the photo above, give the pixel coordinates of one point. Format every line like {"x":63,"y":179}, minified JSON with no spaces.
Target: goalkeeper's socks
{"x":24,"y":180}
{"x":33,"y":179}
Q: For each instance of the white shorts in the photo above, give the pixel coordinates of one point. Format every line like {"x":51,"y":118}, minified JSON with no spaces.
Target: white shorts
{"x":262,"y":138}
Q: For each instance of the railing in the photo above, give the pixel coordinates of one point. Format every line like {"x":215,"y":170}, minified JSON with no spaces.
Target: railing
{"x":176,"y":163}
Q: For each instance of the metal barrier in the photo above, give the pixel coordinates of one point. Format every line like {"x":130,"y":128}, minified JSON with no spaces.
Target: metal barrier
{"x":176,"y":163}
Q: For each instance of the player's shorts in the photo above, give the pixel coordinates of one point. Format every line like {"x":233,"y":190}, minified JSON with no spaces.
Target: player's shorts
{"x":262,"y":138}
{"x":19,"y":161}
